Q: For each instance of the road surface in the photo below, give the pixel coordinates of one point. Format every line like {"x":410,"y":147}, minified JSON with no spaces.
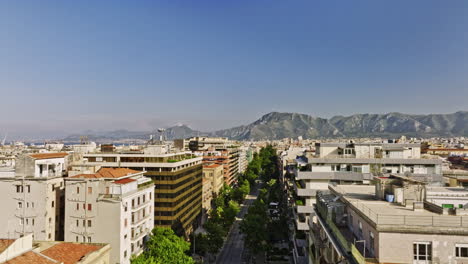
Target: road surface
{"x":231,"y":253}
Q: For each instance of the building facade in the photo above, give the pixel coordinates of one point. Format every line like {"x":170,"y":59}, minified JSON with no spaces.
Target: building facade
{"x":177,"y":178}
{"x":32,"y":200}
{"x":114,"y":206}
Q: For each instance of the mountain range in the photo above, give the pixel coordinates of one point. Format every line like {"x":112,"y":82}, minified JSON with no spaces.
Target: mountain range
{"x":277,"y":125}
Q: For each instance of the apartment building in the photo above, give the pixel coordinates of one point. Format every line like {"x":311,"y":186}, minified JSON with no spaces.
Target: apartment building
{"x":25,"y":250}
{"x":221,"y":151}
{"x":114,"y":206}
{"x":207,"y":197}
{"x":391,"y":222}
{"x":346,"y":163}
{"x":32,"y":198}
{"x":215,"y":173}
{"x":177,"y":177}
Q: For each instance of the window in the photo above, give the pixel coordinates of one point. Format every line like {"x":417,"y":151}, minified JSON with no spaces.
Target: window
{"x":125,"y":253}
{"x":50,"y":235}
{"x":150,"y":196}
{"x":371,"y":242}
{"x":138,"y":200}
{"x":351,"y":222}
{"x":53,"y":204}
{"x":125,"y":222}
{"x":90,"y":190}
{"x":77,"y":190}
{"x":77,"y":206}
{"x":133,"y":202}
{"x":90,"y":207}
{"x":53,"y":187}
{"x":50,"y":219}
{"x":20,"y":205}
{"x":89,"y":239}
{"x":360,"y":229}
{"x":27,"y":205}
{"x":21,"y":221}
{"x":89,"y":223}
{"x":33,"y":221}
{"x":29,"y":188}
{"x":422,"y":251}
{"x":77,"y":223}
{"x":76,"y":238}
{"x":32,"y":204}
{"x":84,"y":223}
{"x":461,"y":250}
{"x":27,"y":221}
{"x":19,"y":188}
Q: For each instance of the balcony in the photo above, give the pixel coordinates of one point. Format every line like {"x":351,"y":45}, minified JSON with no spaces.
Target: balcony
{"x":139,"y":221}
{"x":343,"y":237}
{"x":141,"y":205}
{"x":139,"y":235}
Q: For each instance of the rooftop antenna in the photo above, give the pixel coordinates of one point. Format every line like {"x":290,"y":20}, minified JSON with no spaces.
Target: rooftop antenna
{"x":4,"y":139}
{"x":161,"y":134}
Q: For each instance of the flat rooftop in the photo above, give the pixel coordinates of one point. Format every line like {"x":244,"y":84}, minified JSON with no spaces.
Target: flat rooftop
{"x":394,"y":217}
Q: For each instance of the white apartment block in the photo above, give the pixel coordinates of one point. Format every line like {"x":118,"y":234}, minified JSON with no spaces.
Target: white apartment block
{"x":114,"y":206}
{"x":31,"y":198}
{"x":357,"y":163}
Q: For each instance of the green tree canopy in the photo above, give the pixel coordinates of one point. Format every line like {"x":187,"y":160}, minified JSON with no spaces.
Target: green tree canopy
{"x":164,"y":246}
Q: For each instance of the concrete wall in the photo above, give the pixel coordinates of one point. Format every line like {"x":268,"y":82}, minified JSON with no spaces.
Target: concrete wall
{"x":40,"y":204}
{"x":443,"y":247}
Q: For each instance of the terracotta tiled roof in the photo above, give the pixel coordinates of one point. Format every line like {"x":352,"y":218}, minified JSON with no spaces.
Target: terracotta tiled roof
{"x":31,"y":257}
{"x":5,"y":243}
{"x":124,"y":181}
{"x":108,"y":173}
{"x":48,"y":155}
{"x":70,"y":253}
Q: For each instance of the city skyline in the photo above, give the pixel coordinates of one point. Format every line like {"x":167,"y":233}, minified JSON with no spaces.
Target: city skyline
{"x":211,"y":65}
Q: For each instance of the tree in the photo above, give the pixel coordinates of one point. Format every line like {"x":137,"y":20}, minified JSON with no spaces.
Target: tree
{"x":254,"y":226}
{"x":230,"y":212}
{"x":164,"y":246}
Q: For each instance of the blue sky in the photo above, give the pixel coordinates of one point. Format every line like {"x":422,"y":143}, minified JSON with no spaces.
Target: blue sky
{"x":69,"y":66}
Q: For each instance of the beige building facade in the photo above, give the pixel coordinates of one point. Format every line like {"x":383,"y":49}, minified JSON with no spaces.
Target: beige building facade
{"x":114,"y":206}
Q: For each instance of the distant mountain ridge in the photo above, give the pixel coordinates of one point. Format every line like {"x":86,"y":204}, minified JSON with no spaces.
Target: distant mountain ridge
{"x":276,"y":125}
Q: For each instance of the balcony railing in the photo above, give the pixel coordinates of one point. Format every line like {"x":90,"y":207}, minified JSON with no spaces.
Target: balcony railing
{"x":347,"y":246}
{"x":139,"y":221}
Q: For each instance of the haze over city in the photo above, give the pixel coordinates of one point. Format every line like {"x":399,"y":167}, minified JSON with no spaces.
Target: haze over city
{"x":74,"y":66}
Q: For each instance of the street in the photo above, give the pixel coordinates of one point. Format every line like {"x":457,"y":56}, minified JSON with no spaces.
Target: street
{"x":234,"y":245}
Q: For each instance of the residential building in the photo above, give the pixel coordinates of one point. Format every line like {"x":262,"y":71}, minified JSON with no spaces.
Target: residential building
{"x":215,"y":173}
{"x":25,"y":250}
{"x":177,"y":177}
{"x":229,"y":159}
{"x":391,"y":222}
{"x":32,"y":198}
{"x":220,"y":151}
{"x":207,"y":197}
{"x":345,"y":163}
{"x":114,"y":206}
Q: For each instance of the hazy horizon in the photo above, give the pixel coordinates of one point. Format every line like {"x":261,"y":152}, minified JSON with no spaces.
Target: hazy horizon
{"x":68,"y":67}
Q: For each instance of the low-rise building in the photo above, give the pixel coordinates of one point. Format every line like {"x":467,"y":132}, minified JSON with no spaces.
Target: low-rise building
{"x":114,"y":206}
{"x":25,"y":250}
